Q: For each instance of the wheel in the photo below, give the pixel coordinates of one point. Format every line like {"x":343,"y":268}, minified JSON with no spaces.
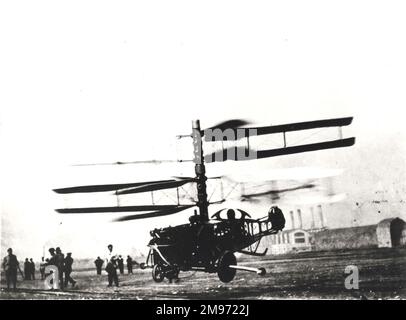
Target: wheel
{"x":157,"y":273}
{"x":142,"y":266}
{"x":262,"y":271}
{"x":224,"y":272}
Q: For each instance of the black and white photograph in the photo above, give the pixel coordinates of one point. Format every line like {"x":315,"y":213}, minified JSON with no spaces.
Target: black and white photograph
{"x":203,"y":150}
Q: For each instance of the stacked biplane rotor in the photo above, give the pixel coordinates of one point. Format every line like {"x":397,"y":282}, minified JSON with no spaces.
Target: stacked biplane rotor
{"x":236,"y":130}
{"x":152,"y":210}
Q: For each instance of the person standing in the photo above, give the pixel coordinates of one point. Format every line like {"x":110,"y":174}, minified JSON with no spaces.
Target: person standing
{"x":111,"y":266}
{"x":10,"y":265}
{"x":68,"y":270}
{"x":60,"y":264}
{"x":32,"y":269}
{"x":275,"y":215}
{"x":27,"y":272}
{"x":129,"y":265}
{"x":99,"y":263}
{"x":52,"y":261}
{"x":121,"y":264}
{"x":42,"y":268}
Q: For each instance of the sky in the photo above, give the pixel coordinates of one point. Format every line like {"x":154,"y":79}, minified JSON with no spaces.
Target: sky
{"x":103,"y":81}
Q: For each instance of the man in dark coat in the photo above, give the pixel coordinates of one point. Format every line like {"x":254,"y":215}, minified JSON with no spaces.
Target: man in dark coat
{"x":68,"y":270}
{"x":32,"y":269}
{"x":99,"y":264}
{"x":275,"y":215}
{"x":10,"y":265}
{"x":52,"y":260}
{"x":27,"y":272}
{"x":60,"y":263}
{"x":111,"y":266}
{"x":129,"y":265}
{"x":120,"y":262}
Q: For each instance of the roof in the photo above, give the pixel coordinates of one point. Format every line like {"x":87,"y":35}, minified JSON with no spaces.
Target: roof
{"x":387,"y":222}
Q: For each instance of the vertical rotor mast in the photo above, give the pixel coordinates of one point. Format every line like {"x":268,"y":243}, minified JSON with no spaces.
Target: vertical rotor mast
{"x":200,"y":171}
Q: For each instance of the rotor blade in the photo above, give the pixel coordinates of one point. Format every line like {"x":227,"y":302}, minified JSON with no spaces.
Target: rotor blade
{"x":244,"y":213}
{"x":156,"y":186}
{"x":258,"y":131}
{"x":337,"y":122}
{"x":106,"y":187}
{"x":116,"y":209}
{"x":229,"y":124}
{"x":292,"y":173}
{"x":182,"y":178}
{"x":216,"y":215}
{"x":341,"y":143}
{"x":153,"y":214}
{"x":277,"y":192}
{"x":222,"y":155}
{"x":129,"y":162}
{"x":218,"y":201}
{"x":186,"y":178}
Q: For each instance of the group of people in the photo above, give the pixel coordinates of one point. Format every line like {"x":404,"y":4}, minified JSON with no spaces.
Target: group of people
{"x":64,"y":264}
{"x":114,"y":262}
{"x":119,"y":262}
{"x":29,"y":269}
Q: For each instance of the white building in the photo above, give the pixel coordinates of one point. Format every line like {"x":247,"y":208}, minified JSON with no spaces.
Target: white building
{"x":296,"y":238}
{"x":287,"y":241}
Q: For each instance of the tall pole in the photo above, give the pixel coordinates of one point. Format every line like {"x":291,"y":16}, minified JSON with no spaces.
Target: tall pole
{"x":299,"y":218}
{"x":200,"y":171}
{"x":321,"y":215}
{"x":313,"y":223}
{"x":292,"y":218}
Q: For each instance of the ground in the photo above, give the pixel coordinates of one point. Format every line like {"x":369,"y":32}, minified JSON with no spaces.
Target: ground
{"x":312,"y":275}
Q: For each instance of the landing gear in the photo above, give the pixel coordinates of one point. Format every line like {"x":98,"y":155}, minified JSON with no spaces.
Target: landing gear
{"x":173,"y":275}
{"x":224,"y":272}
{"x":158,"y":273}
{"x":261,"y":271}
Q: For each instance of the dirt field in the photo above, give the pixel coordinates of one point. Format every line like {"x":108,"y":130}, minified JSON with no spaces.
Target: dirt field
{"x":315,"y":275}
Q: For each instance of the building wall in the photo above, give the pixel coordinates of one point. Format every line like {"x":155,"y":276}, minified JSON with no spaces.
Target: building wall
{"x":383,"y":235}
{"x":346,"y":238}
{"x":287,"y":241}
{"x":371,"y":236}
{"x":403,"y":238}
{"x":384,"y":230}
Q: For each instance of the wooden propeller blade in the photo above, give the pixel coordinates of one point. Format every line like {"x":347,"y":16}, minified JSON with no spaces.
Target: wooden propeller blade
{"x":106,"y":187}
{"x":156,"y":186}
{"x":244,"y":132}
{"x":262,"y":154}
{"x":130,"y":162}
{"x":277,"y":192}
{"x":117,"y":209}
{"x":154,"y":214}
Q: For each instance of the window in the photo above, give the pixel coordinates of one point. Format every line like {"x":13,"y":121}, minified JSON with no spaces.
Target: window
{"x":300,"y":237}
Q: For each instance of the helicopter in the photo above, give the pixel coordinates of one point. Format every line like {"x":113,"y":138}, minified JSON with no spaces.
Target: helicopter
{"x":209,"y":243}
